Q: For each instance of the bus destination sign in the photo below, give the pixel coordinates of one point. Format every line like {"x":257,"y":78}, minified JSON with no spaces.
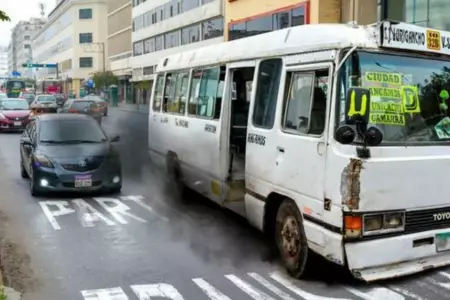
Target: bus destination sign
{"x":406,"y":36}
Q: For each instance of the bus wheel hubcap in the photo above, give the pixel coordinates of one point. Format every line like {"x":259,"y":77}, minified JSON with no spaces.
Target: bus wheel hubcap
{"x":291,"y":236}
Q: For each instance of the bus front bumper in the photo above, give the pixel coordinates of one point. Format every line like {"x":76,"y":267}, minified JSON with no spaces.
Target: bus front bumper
{"x":397,"y":256}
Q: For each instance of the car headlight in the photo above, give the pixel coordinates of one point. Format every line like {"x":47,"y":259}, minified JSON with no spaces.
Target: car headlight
{"x":42,"y":161}
{"x":374,"y":224}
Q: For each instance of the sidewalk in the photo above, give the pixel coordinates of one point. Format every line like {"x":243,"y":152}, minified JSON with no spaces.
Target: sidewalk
{"x":140,"y":108}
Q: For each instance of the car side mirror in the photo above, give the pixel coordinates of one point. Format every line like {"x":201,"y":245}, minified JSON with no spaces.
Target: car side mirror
{"x":26,"y":141}
{"x":115,"y":139}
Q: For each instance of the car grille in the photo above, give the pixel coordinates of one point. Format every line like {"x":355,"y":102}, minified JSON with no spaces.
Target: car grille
{"x":423,"y":220}
{"x":92,"y":163}
{"x":72,"y":184}
{"x":18,"y":118}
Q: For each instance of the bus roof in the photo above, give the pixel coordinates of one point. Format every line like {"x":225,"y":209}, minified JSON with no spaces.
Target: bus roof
{"x":275,"y":43}
{"x":308,"y":38}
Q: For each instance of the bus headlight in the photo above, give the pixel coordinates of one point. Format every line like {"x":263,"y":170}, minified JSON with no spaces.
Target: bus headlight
{"x":380,"y":223}
{"x":360,"y":225}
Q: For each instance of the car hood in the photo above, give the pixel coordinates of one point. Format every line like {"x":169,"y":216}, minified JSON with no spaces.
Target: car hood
{"x":73,"y":150}
{"x":15,"y":113}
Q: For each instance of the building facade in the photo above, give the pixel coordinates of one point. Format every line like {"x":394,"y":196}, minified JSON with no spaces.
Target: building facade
{"x":20,"y":48}
{"x":3,"y":64}
{"x":165,"y":27}
{"x":119,"y":44}
{"x":75,"y":38}
{"x":427,"y":13}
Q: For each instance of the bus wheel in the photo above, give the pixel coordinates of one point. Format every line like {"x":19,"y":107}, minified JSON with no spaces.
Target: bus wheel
{"x":291,"y":239}
{"x":176,"y":178}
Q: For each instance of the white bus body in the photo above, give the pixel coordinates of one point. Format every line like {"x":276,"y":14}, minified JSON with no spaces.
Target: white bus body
{"x":264,"y":144}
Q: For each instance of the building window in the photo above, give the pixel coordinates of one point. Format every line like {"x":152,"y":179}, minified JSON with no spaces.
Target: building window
{"x":213,"y":28}
{"x":138,"y":48}
{"x":85,"y":38}
{"x":190,"y":34}
{"x":158,"y":43}
{"x":27,"y":37}
{"x":86,"y":62}
{"x":149,"y":45}
{"x":267,"y":23}
{"x":26,"y":46}
{"x":172,"y":39}
{"x":85,"y":13}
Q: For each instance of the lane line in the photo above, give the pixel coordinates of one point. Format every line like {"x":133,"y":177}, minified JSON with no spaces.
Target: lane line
{"x":209,"y":290}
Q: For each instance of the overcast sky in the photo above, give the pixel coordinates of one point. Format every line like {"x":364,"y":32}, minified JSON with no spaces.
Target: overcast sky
{"x":19,"y":10}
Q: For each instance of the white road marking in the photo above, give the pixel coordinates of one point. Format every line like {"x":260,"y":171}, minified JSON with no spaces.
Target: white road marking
{"x":209,"y":290}
{"x":264,"y":282}
{"x":88,"y":214}
{"x":289,"y":284}
{"x":248,"y":289}
{"x":117,"y":209}
{"x":444,"y":285}
{"x":105,"y":294}
{"x":63,"y":208}
{"x":163,"y":290}
{"x":138,"y":200}
{"x":375,"y":294}
{"x":406,"y":292}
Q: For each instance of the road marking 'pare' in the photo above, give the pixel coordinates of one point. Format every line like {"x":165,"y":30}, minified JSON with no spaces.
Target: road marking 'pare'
{"x":88,"y":215}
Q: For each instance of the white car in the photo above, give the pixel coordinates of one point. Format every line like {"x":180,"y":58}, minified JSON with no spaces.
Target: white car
{"x":44,"y":104}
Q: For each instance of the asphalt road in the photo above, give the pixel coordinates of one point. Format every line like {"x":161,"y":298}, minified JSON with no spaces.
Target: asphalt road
{"x":143,"y":244}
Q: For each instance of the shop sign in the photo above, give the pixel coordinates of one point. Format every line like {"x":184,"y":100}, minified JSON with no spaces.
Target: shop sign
{"x":406,"y":36}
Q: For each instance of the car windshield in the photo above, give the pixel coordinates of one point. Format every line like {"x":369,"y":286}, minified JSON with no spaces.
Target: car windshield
{"x":395,"y":81}
{"x":3,"y":96}
{"x":46,"y":99}
{"x":71,"y":131}
{"x":14,"y":105}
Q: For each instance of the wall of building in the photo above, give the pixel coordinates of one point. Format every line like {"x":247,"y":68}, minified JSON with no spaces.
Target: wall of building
{"x":198,"y":23}
{"x":119,"y":36}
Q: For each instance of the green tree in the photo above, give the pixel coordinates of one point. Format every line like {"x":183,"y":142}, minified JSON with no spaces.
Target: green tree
{"x":104,"y":79}
{"x":4,"y":17}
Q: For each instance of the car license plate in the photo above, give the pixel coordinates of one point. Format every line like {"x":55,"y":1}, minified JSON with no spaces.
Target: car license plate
{"x":442,"y":241}
{"x":83,"y":181}
{"x":17,"y":123}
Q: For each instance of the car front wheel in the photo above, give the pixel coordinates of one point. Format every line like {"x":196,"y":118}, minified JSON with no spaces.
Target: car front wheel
{"x":33,"y":189}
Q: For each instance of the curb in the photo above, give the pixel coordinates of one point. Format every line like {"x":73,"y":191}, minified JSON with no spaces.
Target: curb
{"x":132,"y":110}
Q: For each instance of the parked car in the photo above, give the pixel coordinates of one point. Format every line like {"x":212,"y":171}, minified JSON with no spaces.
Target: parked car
{"x":102,"y":104}
{"x":69,"y":152}
{"x":86,"y":107}
{"x":14,"y":114}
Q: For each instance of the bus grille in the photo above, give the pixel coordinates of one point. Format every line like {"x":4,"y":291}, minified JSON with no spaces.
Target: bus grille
{"x":423,"y":220}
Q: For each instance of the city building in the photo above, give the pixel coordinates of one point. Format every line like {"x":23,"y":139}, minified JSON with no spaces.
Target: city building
{"x":75,"y":38}
{"x":3,"y":64}
{"x":119,"y":44}
{"x":19,"y":49}
{"x":427,"y":13}
{"x":166,"y":27}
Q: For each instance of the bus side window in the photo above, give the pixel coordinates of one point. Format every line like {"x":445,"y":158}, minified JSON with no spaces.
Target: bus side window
{"x":267,"y":93}
{"x":169,"y":90}
{"x":181,"y":87}
{"x":305,"y":102}
{"x":209,"y":86}
{"x":194,"y":92}
{"x":158,"y":96}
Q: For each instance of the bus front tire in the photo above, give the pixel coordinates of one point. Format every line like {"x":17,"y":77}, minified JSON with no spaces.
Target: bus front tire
{"x":291,"y":239}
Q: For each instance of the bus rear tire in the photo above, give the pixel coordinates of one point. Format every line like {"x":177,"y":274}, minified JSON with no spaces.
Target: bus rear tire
{"x":291,"y":239}
{"x":176,"y":183}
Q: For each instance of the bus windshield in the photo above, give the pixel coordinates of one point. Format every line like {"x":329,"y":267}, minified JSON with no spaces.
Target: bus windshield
{"x":393,"y":81}
{"x":14,"y":87}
